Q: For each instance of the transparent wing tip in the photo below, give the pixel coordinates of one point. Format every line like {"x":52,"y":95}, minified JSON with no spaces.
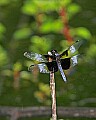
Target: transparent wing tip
{"x":28,"y":55}
{"x":80,"y":41}
{"x":30,"y":68}
{"x":25,"y":54}
{"x":77,"y":41}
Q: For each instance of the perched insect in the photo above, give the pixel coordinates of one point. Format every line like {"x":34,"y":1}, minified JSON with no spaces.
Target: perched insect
{"x":53,"y":61}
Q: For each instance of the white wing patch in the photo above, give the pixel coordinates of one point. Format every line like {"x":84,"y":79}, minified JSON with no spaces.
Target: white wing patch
{"x":34,"y":56}
{"x":74,"y":58}
{"x":43,"y":68}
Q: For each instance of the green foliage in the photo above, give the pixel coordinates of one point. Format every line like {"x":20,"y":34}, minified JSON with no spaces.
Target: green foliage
{"x":43,"y":94}
{"x":22,"y":33}
{"x":4,"y":2}
{"x":40,"y":118}
{"x":40,"y":44}
{"x":51,"y":26}
{"x":33,"y":7}
{"x":73,"y":9}
{"x":3,"y":56}
{"x":17,"y":66}
{"x":2,"y":31}
{"x":25,"y":75}
{"x":81,"y":32}
{"x":91,"y":53}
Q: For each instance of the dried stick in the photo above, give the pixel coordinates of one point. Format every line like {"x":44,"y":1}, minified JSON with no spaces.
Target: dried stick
{"x":53,"y":95}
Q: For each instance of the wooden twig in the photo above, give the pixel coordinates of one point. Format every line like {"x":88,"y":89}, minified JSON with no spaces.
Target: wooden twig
{"x":20,"y":112}
{"x":53,"y":95}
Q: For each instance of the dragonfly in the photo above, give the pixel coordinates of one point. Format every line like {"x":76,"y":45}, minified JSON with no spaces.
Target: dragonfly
{"x":53,"y":61}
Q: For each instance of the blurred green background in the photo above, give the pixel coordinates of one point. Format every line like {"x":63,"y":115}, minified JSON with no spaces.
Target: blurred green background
{"x":36,"y":25}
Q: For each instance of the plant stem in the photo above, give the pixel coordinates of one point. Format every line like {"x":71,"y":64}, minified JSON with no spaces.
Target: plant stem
{"x":53,"y":95}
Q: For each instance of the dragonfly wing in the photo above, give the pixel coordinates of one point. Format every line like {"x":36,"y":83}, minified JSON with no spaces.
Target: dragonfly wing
{"x":42,"y":67}
{"x":60,"y":68}
{"x":74,"y":60}
{"x":35,"y":56}
{"x":72,"y":50}
{"x":31,"y":67}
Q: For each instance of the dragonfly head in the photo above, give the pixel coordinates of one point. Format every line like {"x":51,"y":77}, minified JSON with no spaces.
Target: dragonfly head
{"x":52,"y":52}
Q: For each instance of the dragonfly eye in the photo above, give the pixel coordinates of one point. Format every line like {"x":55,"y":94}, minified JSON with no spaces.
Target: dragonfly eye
{"x":49,"y":53}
